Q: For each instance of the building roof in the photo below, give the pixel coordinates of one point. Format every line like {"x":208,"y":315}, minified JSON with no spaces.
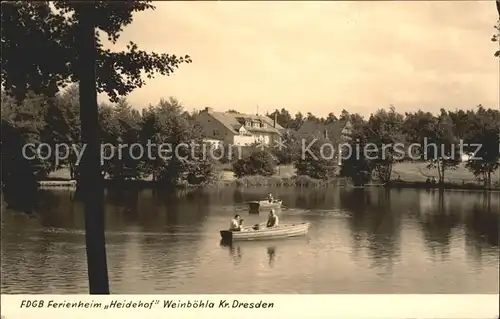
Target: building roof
{"x":233,"y":121}
{"x":315,"y":129}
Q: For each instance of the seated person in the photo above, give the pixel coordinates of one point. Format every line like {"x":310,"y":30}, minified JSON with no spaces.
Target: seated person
{"x":272,"y":221}
{"x":236,"y":223}
{"x":270,"y":198}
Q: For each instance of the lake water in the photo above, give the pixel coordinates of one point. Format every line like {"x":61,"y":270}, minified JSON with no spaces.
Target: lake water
{"x":360,"y":241}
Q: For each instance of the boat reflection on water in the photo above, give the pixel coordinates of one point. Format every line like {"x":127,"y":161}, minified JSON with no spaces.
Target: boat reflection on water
{"x":235,"y":252}
{"x":271,"y":253}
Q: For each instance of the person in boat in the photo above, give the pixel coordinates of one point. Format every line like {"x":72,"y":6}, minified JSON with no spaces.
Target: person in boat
{"x":273,"y":220}
{"x":236,"y":223}
{"x":270,"y":198}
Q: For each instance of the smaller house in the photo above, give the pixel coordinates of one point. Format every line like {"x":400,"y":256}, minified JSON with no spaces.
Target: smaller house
{"x":337,"y":132}
{"x":238,"y":129}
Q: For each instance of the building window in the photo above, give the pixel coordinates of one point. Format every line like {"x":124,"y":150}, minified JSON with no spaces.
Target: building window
{"x":216,"y":133}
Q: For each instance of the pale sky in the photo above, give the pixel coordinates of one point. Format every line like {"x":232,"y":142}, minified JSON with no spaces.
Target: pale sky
{"x":322,"y":57}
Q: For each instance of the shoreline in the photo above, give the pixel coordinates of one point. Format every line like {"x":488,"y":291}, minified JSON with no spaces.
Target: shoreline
{"x":276,"y":182}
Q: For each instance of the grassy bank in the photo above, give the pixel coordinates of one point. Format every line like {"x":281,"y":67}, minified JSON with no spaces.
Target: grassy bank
{"x":417,"y":172}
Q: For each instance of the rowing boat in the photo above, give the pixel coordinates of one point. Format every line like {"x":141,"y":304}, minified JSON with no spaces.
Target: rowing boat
{"x":264,"y":204}
{"x":281,"y":231}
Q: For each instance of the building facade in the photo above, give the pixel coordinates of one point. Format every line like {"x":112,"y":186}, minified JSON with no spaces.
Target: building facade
{"x":238,"y":129}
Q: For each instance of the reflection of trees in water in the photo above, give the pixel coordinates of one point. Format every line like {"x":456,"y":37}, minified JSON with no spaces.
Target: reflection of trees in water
{"x":121,"y":207}
{"x":21,"y":196}
{"x":141,"y":226}
{"x":237,"y":196}
{"x":482,"y":226}
{"x":52,"y":208}
{"x":437,"y":222}
{"x":122,"y":198}
{"x":355,"y":202}
{"x":51,"y":255}
{"x":373,"y":224}
{"x":57,"y":209}
{"x":314,"y":198}
{"x":301,"y":201}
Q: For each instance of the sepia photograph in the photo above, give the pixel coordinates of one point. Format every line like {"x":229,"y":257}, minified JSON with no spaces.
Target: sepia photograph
{"x":249,"y":147}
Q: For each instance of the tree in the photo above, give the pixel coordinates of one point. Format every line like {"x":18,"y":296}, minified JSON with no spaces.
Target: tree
{"x":287,"y":149}
{"x":256,"y":162}
{"x":484,"y":130}
{"x":62,"y":126}
{"x":22,"y":123}
{"x":439,"y":145}
{"x":344,"y":115}
{"x":127,"y":124}
{"x":70,"y":36}
{"x":496,"y":36}
{"x":331,"y":118}
{"x":384,"y":132}
{"x":357,"y":166}
{"x":317,"y":158}
{"x":297,"y":121}
{"x":178,"y":153}
{"x":283,"y":118}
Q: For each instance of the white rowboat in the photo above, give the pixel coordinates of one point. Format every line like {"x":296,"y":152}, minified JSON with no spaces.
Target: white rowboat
{"x":264,"y":204}
{"x":281,"y":231}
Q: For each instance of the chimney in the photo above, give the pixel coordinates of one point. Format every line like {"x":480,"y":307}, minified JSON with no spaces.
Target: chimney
{"x":208,"y":109}
{"x":326,"y":134}
{"x":275,"y":119}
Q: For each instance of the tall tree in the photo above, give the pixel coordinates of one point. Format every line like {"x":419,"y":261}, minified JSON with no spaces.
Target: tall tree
{"x":62,"y":120}
{"x":283,"y":118}
{"x":127,"y":160}
{"x":483,"y":140}
{"x":384,"y":131}
{"x":357,"y":166}
{"x":331,"y":118}
{"x":70,"y":36}
{"x":439,"y":145}
{"x":297,"y":121}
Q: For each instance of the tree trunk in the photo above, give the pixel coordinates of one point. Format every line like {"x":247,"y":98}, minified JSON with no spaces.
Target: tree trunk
{"x":440,"y":169}
{"x":91,"y":179}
